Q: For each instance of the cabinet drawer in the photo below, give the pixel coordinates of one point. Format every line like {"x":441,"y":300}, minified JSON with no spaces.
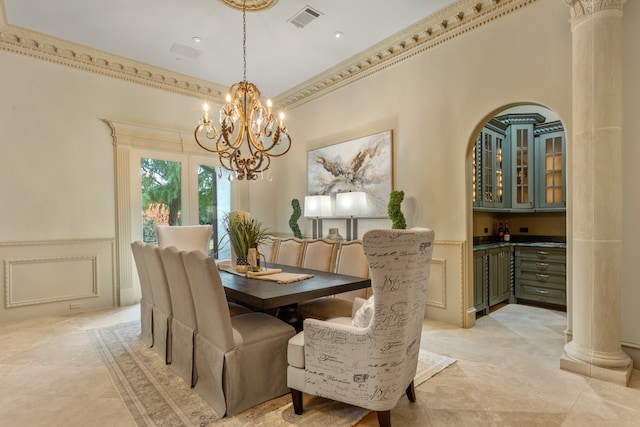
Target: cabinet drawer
{"x":545,"y":254}
{"x":540,"y":266}
{"x":532,"y":291}
{"x":542,"y":278}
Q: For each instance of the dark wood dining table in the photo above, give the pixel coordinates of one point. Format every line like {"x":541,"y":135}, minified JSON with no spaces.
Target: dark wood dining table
{"x":282,"y":298}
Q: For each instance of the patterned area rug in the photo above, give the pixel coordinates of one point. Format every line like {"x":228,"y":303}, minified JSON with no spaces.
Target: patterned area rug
{"x":156,"y":396}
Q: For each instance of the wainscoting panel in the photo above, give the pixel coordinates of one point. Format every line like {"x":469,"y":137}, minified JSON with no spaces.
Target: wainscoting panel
{"x":56,"y":277}
{"x":437,"y":288}
{"x":29,"y":281}
{"x":446,"y":283}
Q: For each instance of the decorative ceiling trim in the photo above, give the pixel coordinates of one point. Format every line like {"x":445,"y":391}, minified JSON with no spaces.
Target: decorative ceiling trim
{"x":452,"y":21}
{"x":251,"y":5}
{"x":42,"y":46}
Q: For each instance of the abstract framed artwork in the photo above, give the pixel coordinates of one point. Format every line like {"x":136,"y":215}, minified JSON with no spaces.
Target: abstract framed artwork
{"x":362,"y":164}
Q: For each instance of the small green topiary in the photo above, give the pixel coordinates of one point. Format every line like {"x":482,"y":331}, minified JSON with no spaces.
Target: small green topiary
{"x":293,"y":221}
{"x":393,"y":209}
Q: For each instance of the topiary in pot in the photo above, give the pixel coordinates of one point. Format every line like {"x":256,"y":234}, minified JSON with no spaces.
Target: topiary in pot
{"x":293,"y":221}
{"x":395,"y":212}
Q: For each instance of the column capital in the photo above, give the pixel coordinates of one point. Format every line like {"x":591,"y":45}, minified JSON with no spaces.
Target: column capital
{"x":583,"y":8}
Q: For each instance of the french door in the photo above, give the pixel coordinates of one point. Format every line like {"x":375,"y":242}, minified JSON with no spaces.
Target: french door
{"x":177,"y":189}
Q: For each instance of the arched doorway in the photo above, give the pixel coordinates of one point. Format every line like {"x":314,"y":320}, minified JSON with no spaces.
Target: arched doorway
{"x":518,"y":191}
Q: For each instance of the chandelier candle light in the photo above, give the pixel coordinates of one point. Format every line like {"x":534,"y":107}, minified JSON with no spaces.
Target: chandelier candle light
{"x":244,"y":118}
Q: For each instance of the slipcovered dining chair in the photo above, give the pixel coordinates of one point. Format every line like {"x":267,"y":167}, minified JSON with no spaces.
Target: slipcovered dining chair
{"x":183,"y":322}
{"x":370,"y":360}
{"x":320,"y":254}
{"x":351,"y":261}
{"x":290,"y":251}
{"x":240,"y":361}
{"x":185,"y":237}
{"x":146,"y":300}
{"x":162,"y":309}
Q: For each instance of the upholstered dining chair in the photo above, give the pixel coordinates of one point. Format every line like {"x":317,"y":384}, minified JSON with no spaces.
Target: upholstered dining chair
{"x":268,"y":248}
{"x":351,"y":261}
{"x":162,"y":309}
{"x":185,"y":237}
{"x":146,"y":300}
{"x":320,"y":254}
{"x":370,"y":360}
{"x":240,"y":361}
{"x":290,"y":251}
{"x":183,"y":322}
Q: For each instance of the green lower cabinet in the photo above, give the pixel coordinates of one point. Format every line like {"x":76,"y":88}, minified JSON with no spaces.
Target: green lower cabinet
{"x":541,"y":275}
{"x":492,"y":277}
{"x":481,"y":281}
{"x":499,"y":274}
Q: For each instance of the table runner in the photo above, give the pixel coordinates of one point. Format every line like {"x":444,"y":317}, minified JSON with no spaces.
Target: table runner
{"x":271,"y":274}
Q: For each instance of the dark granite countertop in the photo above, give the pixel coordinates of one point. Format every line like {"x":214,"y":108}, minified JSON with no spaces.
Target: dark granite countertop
{"x":533,"y":241}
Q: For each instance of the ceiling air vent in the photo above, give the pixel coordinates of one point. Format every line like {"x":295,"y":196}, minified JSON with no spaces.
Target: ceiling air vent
{"x":187,"y":51}
{"x":306,"y":15}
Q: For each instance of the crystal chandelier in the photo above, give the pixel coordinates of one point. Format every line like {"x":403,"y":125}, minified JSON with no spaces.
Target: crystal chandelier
{"x":243,"y":118}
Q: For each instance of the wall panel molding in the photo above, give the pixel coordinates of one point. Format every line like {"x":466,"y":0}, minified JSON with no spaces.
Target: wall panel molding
{"x":20,"y":274}
{"x":57,"y":277}
{"x":437,"y":290}
{"x":446,"y":283}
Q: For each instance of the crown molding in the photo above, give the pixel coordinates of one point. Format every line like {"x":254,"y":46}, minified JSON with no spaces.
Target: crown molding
{"x":48,"y":48}
{"x":447,"y":24}
{"x":457,"y":19}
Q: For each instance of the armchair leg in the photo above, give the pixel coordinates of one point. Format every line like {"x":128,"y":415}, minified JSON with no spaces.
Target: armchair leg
{"x":384,"y":418}
{"x":411,"y":392}
{"x":296,"y":397}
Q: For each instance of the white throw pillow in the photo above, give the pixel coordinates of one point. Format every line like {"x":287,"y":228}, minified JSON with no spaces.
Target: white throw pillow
{"x":364,"y":314}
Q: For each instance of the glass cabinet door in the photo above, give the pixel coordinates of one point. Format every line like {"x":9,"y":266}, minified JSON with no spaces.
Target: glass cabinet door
{"x":551,"y":167}
{"x":522,"y":167}
{"x":488,"y":166}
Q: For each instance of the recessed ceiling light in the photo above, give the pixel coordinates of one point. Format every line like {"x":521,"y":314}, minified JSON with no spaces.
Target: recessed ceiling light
{"x":338,"y":34}
{"x":196,"y":39}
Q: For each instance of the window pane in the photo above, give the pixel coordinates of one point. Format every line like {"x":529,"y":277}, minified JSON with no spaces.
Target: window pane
{"x":161,"y":198}
{"x":214,"y":201}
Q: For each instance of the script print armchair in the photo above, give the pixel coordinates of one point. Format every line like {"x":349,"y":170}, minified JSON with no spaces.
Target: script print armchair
{"x":371,"y":365}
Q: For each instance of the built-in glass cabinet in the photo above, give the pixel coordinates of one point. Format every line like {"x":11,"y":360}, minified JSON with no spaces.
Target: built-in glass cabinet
{"x":488,"y":185}
{"x":519,"y":164}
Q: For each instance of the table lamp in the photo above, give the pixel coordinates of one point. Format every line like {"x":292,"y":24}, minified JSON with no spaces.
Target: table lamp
{"x":316,"y":208}
{"x":351,"y":205}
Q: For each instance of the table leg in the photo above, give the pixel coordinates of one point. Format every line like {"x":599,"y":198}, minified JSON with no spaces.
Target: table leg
{"x":290,"y":315}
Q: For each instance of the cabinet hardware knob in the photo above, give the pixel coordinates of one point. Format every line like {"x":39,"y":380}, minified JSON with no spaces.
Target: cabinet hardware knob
{"x":540,"y":291}
{"x":542,"y":277}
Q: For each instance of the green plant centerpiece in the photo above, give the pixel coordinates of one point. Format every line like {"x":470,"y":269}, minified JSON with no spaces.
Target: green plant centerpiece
{"x":244,"y":234}
{"x":293,"y":221}
{"x":395,"y":212}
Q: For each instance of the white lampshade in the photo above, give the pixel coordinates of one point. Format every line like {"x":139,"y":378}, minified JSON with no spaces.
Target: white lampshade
{"x":353,"y":203}
{"x":317,"y":206}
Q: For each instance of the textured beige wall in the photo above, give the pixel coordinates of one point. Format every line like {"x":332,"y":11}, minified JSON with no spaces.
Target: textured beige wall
{"x":435,"y":103}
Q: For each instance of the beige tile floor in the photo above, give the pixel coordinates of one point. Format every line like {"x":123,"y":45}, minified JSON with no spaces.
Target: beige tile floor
{"x":506,"y":375}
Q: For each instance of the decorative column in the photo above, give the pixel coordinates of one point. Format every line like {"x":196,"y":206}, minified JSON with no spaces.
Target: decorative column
{"x":595,"y":349}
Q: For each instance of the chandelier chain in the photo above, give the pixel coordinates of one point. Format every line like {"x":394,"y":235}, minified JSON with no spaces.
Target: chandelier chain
{"x":244,"y":39}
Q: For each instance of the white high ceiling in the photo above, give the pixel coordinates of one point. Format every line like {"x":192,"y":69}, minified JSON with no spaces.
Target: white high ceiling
{"x":279,"y":55}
